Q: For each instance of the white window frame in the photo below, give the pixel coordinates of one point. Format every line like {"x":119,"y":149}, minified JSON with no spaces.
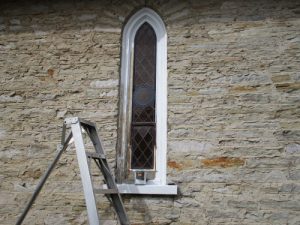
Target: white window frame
{"x":159,"y":184}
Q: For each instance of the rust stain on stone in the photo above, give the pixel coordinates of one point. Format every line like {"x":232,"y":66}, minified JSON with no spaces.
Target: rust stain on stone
{"x":175,"y":165}
{"x":223,"y":162}
{"x":50,"y":72}
{"x":49,"y":77}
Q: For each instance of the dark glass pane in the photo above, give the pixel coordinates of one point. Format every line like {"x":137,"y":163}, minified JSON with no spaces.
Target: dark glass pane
{"x":142,"y":144}
{"x":143,"y":99}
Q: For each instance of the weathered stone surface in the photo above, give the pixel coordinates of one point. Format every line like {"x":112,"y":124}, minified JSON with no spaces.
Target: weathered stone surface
{"x":233,"y":108}
{"x":190,"y":147}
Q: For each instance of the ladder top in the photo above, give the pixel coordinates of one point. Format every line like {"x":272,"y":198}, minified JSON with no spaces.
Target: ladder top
{"x":73,"y":120}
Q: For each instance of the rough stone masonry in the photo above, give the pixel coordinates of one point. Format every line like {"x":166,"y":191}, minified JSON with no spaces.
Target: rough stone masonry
{"x":233,"y":108}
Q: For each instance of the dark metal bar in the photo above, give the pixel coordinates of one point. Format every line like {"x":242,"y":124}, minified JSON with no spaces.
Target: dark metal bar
{"x":95,"y":155}
{"x":43,"y":180}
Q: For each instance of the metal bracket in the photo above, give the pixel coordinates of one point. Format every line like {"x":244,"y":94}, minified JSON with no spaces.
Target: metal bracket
{"x":71,"y":120}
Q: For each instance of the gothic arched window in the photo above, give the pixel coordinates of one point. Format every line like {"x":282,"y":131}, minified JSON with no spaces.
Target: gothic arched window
{"x":142,"y":127}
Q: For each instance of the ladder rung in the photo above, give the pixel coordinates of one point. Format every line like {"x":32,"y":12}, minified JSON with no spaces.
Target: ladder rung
{"x":95,"y":155}
{"x":106,"y":191}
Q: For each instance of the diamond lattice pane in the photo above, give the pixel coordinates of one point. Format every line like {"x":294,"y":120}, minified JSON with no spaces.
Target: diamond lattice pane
{"x":143,"y":141}
{"x":143,"y":99}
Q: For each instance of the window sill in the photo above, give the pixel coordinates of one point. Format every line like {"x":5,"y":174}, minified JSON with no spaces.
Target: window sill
{"x":148,"y":189}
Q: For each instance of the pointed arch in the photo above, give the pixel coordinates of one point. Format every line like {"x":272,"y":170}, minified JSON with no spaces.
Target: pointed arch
{"x":141,"y":17}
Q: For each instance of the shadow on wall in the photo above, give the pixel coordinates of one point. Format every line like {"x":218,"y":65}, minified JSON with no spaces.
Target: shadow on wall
{"x":41,"y":17}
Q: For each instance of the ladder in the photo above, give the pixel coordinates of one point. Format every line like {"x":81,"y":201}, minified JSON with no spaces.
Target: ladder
{"x":84,"y":158}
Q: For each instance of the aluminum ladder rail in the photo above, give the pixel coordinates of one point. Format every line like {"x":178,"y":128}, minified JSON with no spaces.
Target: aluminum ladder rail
{"x":84,"y":159}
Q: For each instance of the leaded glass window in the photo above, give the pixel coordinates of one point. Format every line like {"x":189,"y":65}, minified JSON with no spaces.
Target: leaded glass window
{"x":143,"y":124}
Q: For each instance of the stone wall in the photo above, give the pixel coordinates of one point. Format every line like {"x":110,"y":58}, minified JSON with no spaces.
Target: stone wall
{"x":233,"y":108}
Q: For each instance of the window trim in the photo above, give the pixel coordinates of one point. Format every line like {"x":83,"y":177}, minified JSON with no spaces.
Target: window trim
{"x":129,"y":32}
